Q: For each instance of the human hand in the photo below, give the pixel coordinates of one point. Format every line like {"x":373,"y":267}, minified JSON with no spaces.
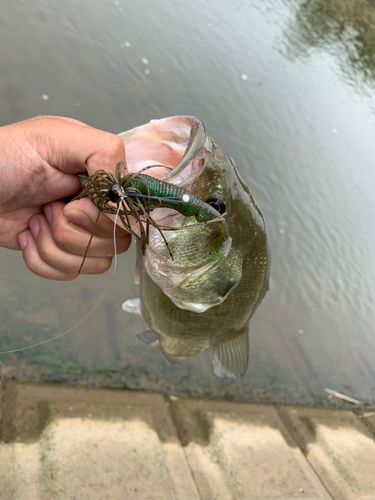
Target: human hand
{"x":39,"y":162}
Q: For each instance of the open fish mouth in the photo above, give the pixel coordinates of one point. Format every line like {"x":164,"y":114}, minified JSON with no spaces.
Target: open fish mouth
{"x":184,"y":156}
{"x":174,"y":142}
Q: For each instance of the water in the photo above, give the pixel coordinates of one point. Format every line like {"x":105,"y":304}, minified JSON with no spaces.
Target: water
{"x":287,"y":89}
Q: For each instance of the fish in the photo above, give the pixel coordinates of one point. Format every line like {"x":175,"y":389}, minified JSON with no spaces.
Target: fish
{"x":189,"y":300}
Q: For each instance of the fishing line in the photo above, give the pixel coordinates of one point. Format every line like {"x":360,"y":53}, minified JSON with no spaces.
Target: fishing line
{"x":199,"y":224}
{"x":87,"y":315}
{"x":160,"y":198}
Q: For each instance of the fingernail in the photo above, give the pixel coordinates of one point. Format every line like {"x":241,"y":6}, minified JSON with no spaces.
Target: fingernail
{"x":35,"y":227}
{"x":48,"y":212}
{"x":22,"y":240}
{"x":78,"y":217}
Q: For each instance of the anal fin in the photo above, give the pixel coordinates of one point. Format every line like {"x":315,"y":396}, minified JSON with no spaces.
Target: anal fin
{"x":172,"y":360}
{"x":230,"y":358}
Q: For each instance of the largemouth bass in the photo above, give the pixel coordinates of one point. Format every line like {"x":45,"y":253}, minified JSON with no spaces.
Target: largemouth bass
{"x":192,"y":302}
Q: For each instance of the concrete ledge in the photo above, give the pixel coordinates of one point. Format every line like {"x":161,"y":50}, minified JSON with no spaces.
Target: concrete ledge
{"x":242,"y":451}
{"x":71,"y":443}
{"x":340,"y":448}
{"x":87,"y":444}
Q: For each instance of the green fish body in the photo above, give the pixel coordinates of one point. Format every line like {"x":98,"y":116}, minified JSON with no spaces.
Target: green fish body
{"x":192,"y":303}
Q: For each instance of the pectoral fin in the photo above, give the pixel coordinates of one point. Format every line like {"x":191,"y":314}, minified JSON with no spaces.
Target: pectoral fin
{"x":132,"y":306}
{"x":230,"y":358}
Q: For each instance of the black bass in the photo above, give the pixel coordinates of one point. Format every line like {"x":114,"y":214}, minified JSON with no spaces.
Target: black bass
{"x":193,"y":301}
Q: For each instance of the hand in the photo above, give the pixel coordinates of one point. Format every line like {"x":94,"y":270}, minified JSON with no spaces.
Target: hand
{"x":39,"y":162}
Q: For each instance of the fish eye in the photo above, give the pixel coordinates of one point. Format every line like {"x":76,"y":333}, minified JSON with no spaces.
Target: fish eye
{"x":217,"y":204}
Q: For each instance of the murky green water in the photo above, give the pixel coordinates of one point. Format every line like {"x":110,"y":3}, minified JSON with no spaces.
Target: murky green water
{"x":287,"y":89}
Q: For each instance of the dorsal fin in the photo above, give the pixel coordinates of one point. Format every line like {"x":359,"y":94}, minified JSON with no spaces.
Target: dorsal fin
{"x":230,"y":358}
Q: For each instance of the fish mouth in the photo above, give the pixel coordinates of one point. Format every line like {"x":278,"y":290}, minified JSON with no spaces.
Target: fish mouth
{"x":171,"y":143}
{"x":173,"y":150}
{"x":177,"y":148}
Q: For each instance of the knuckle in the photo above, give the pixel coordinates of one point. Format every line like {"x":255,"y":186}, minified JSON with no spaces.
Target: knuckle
{"x":69,"y":277}
{"x":127,"y":241}
{"x":32,"y":262}
{"x":103,"y":265}
{"x":114,"y":142}
{"x":123,"y":245}
{"x":44,"y":250}
{"x":60,"y":235}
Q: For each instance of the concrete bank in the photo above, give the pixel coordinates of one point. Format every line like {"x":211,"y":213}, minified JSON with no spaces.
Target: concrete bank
{"x":87,"y":444}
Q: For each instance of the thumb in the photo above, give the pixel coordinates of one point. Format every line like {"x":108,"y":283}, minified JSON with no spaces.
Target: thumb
{"x":70,"y":145}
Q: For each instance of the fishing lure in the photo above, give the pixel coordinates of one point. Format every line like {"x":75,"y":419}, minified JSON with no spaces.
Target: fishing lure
{"x":138,"y":194}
